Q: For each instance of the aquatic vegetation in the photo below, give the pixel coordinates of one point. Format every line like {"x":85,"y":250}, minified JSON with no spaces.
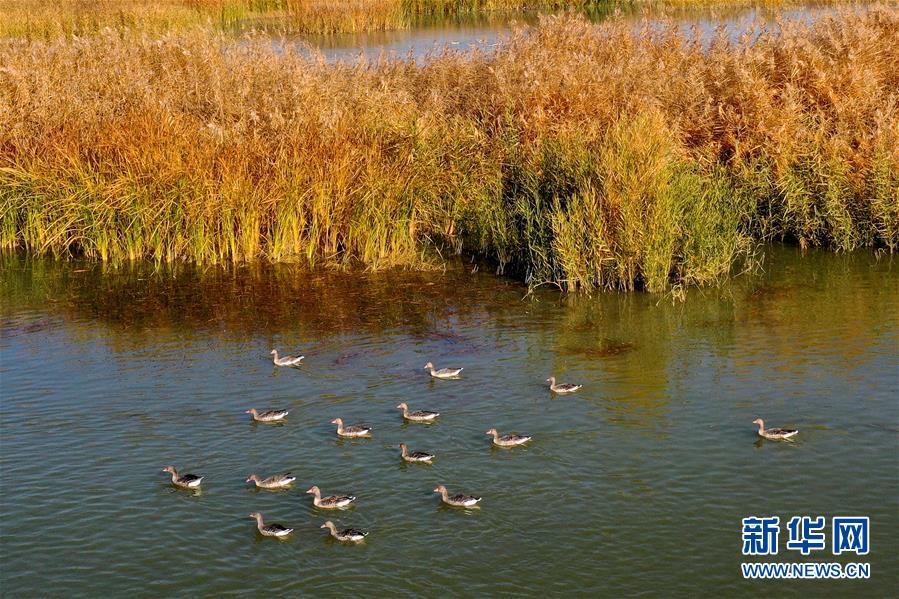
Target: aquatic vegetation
{"x":50,"y":18}
{"x":586,"y":156}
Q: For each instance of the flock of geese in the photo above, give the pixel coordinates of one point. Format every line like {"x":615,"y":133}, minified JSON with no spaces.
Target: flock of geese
{"x":352,"y":535}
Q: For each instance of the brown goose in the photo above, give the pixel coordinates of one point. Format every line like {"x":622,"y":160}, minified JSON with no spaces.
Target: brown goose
{"x":286,"y":360}
{"x":276,"y":481}
{"x":267,"y":415}
{"x":561,"y":387}
{"x":330,"y":503}
{"x":351,"y":431}
{"x":415,"y":456}
{"x":507,"y":440}
{"x":775,"y":434}
{"x":270,"y":530}
{"x":186,"y":481}
{"x":419,"y":415}
{"x":347,"y":535}
{"x":443,"y":373}
{"x":456,"y":500}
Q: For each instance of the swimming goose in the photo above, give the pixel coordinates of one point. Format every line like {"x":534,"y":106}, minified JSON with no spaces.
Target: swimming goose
{"x":277,"y":481}
{"x":443,"y":373}
{"x":776,"y":434}
{"x":457,"y":500}
{"x":347,"y":535}
{"x":507,"y":440}
{"x":286,"y":360}
{"x":561,"y":387}
{"x":330,"y":503}
{"x":418,"y":416}
{"x":415,"y":456}
{"x":187,"y":481}
{"x":351,"y":431}
{"x":270,"y":530}
{"x":267,"y":415}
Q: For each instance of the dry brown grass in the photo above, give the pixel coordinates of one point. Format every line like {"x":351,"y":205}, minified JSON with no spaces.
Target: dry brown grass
{"x":50,"y":18}
{"x":584,"y":155}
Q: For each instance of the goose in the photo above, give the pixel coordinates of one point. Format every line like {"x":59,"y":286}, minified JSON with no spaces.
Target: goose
{"x":347,"y":535}
{"x":330,"y":503}
{"x":277,"y":481}
{"x":776,"y":434}
{"x":186,"y":481}
{"x":561,"y":387}
{"x":415,"y":456}
{"x":507,"y":440}
{"x":418,"y":416}
{"x":456,"y":500}
{"x":267,"y":415}
{"x":270,"y":530}
{"x":286,"y":360}
{"x":351,"y":431}
{"x":443,"y":373}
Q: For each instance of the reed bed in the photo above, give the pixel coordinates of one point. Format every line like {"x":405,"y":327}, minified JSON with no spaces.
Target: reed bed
{"x":51,"y":18}
{"x":587,"y":156}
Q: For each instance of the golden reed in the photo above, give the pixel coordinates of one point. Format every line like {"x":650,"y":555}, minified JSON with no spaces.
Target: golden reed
{"x":589,"y":156}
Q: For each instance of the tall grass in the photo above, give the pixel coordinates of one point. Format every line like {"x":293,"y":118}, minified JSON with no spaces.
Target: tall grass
{"x":50,"y":18}
{"x":588,"y":156}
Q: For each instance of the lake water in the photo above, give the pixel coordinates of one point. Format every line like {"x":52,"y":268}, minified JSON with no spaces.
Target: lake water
{"x":636,"y":485}
{"x":486,"y":33}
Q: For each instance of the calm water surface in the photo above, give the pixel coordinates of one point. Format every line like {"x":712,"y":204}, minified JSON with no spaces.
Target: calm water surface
{"x":634,"y":486}
{"x":487,"y":32}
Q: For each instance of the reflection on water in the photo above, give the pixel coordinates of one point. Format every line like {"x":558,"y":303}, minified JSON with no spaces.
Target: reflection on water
{"x":486,"y":31}
{"x":637,"y":482}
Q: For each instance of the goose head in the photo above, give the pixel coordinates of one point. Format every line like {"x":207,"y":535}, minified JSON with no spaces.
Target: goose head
{"x":328,"y":524}
{"x":402,"y":406}
{"x":439,"y":489}
{"x":337,"y":421}
{"x":551,"y":380}
{"x":169,"y":469}
{"x":253,"y":478}
{"x":429,"y":366}
{"x":313,"y":489}
{"x":759,"y":422}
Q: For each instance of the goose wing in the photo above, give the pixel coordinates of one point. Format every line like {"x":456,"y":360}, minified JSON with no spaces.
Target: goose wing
{"x":424,"y":414}
{"x":276,"y":528}
{"x":338,"y":499}
{"x":357,"y":429}
{"x":515,"y":438}
{"x":421,"y":455}
{"x":187,"y":479}
{"x":782,"y":431}
{"x":273,"y":414}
